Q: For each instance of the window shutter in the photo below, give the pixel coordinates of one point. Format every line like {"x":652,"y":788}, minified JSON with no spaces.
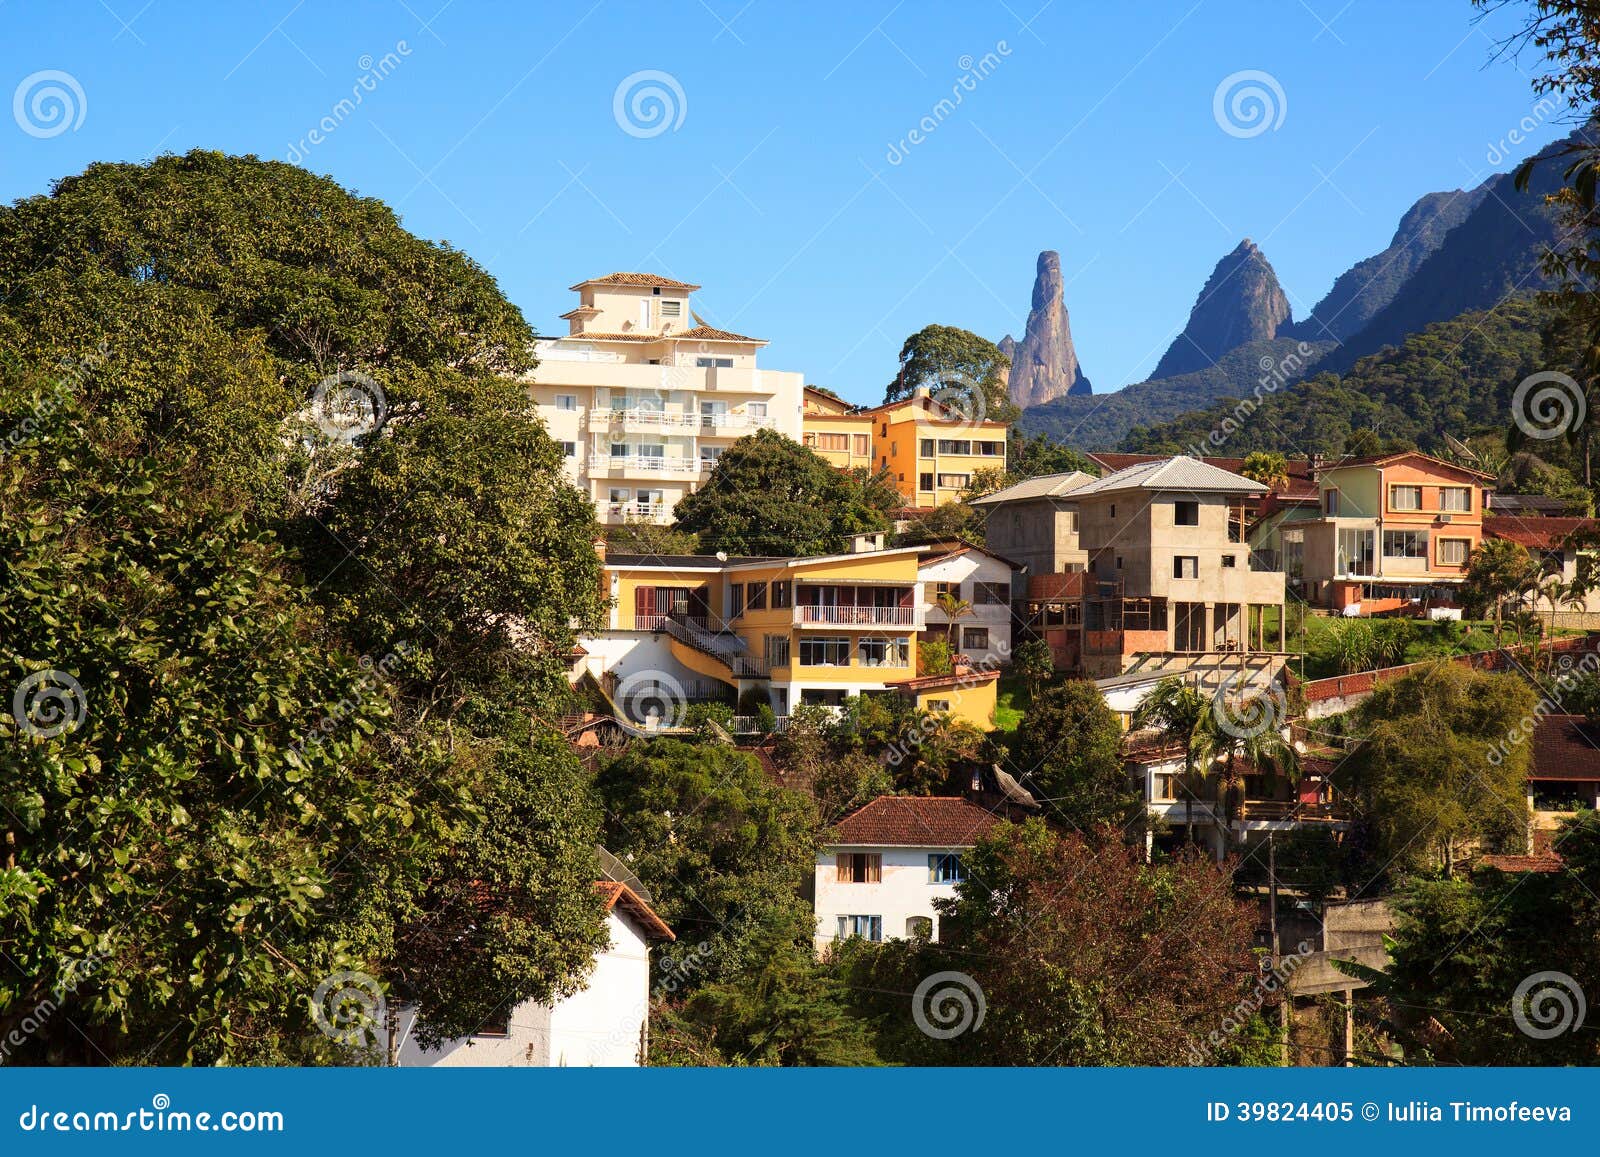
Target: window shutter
{"x":842,"y":867}
{"x":874,"y":869}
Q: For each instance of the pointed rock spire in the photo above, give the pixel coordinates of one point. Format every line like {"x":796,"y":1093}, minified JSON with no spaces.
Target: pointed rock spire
{"x":1241,"y":302}
{"x":1044,"y":364}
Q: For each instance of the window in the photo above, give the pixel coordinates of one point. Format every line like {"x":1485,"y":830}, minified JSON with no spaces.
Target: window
{"x":713,"y":363}
{"x":826,"y":652}
{"x":710,"y":456}
{"x":569,"y":449}
{"x":925,"y":448}
{"x":1227,"y":560}
{"x":782,"y":595}
{"x":951,"y":589}
{"x":620,"y":494}
{"x":651,"y":497}
{"x":975,"y":638}
{"x":776,"y":651}
{"x":1113,"y":510}
{"x":1405,"y":498}
{"x":939,"y":705}
{"x":954,"y":446}
{"x":1453,"y":551}
{"x":884,"y":652}
{"x":991,"y":594}
{"x":924,"y":481}
{"x":866,"y":927}
{"x":919,"y":927}
{"x":1119,"y":562}
{"x":954,"y":481}
{"x":735,"y":600}
{"x":1185,"y":566}
{"x":990,"y":449}
{"x":1354,"y":552}
{"x":1405,"y":544}
{"x":756,"y":597}
{"x":672,"y":309}
{"x":755,"y":409}
{"x":1330,"y":503}
{"x":566,"y":401}
{"x":1185,"y":514}
{"x":829,"y":441}
{"x":809,"y":440}
{"x":945,"y":868}
{"x":863,"y":445}
{"x":496,"y":1025}
{"x":859,"y":867}
{"x":619,"y":449}
{"x":1456,"y":498}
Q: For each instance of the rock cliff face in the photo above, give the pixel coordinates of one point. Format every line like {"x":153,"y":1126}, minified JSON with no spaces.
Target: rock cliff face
{"x":1241,"y":302}
{"x":1044,"y":365}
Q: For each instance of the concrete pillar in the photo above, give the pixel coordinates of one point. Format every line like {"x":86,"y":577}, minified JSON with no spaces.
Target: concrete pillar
{"x":1349,"y":1027}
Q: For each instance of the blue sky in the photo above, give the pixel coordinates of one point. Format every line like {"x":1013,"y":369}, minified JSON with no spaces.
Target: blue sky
{"x":771,"y":183}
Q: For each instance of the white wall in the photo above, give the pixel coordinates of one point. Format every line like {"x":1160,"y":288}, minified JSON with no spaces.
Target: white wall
{"x":599,"y":1026}
{"x":904,"y":891}
{"x":967,"y":569}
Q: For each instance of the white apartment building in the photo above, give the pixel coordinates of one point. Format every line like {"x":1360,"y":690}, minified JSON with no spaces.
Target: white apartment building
{"x":643,"y":396}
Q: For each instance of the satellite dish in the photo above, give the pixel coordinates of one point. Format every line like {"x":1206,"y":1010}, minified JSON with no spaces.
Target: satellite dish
{"x":698,"y":320}
{"x":722,"y":556}
{"x":1460,"y":447}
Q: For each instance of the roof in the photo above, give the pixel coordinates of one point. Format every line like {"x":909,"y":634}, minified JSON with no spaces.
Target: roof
{"x":1565,"y":747}
{"x":1302,"y":483}
{"x":620,"y":895}
{"x":1527,"y":504}
{"x":1044,"y":486}
{"x":645,"y":279}
{"x":1539,"y":862}
{"x":685,"y":561}
{"x":1400,"y":456}
{"x":1180,"y":473}
{"x":925,"y":403}
{"x":965,"y":677}
{"x":934,"y":552}
{"x":1537,"y":533}
{"x":915,"y":821}
{"x":696,"y":333}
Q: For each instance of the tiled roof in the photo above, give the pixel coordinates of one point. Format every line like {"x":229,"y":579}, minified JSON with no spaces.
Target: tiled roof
{"x":1536,"y":533}
{"x":645,"y":279}
{"x":1527,"y":504}
{"x":935,"y":552}
{"x":620,"y":894}
{"x":697,"y":333}
{"x":1401,"y":456}
{"x":1565,"y":747}
{"x":707,"y":561}
{"x":910,"y":821}
{"x":1540,"y":862}
{"x":1181,"y":473}
{"x":1044,"y":486}
{"x":1301,"y":482}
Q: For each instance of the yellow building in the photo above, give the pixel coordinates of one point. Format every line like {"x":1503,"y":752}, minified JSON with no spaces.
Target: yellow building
{"x":931,"y":451}
{"x":843,"y":438}
{"x":798,"y":630}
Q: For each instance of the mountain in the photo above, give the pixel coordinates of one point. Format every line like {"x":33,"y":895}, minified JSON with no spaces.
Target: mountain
{"x":1369,"y":285}
{"x":1101,"y":422}
{"x":1454,"y":377}
{"x":1044,"y":365}
{"x":1241,"y":302}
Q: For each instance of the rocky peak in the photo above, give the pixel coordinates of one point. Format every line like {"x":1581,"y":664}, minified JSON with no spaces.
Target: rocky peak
{"x":1241,"y":302}
{"x":1044,"y":364}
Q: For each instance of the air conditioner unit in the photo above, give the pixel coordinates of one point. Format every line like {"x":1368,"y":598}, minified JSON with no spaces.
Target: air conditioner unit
{"x":1447,"y":518}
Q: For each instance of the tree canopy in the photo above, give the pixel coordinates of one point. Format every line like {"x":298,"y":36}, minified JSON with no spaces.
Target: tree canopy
{"x":957,"y":368}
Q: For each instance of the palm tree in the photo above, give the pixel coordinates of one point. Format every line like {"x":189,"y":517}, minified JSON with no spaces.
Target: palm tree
{"x":1496,"y":571}
{"x":1267,"y":467}
{"x":1177,"y":710}
{"x":954,"y":607}
{"x":1221,"y":739}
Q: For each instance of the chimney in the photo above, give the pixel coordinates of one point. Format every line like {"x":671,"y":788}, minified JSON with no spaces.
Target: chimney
{"x":600,"y":550}
{"x":866,"y":543}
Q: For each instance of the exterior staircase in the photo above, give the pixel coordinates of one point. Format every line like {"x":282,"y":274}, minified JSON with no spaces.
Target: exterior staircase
{"x":730,"y":658}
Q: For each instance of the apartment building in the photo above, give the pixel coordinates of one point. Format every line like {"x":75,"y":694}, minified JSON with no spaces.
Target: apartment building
{"x":643,"y":396}
{"x":787,"y":631}
{"x":980,"y":583}
{"x":931,"y":451}
{"x":1167,"y":580}
{"x":835,"y":430}
{"x":1395,"y":530}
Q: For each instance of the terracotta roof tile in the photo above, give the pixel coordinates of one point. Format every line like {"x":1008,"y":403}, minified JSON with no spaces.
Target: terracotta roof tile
{"x":915,"y":822}
{"x":1536,"y":533}
{"x":1565,"y":747}
{"x":1539,"y":862}
{"x":646,"y":279}
{"x":616,"y":893}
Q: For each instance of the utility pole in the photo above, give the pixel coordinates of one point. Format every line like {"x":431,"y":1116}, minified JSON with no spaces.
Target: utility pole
{"x":1277,"y":959}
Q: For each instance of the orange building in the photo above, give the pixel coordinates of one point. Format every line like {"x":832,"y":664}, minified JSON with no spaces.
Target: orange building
{"x":932,"y":451}
{"x":1395,"y":530}
{"x":831,"y":429}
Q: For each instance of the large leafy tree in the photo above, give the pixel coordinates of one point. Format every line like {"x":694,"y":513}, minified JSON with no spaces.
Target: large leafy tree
{"x":769,"y":495}
{"x":1068,"y":750}
{"x":1498,"y":571}
{"x":190,"y":312}
{"x":958,"y":368}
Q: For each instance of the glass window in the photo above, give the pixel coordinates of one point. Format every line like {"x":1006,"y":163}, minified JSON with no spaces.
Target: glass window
{"x":945,"y":868}
{"x":756,"y":597}
{"x":776,"y":651}
{"x":919,"y":927}
{"x":1455,"y":498}
{"x":1405,"y":498}
{"x":863,"y":445}
{"x":755,"y":409}
{"x":954,"y":481}
{"x":569,"y":449}
{"x":866,"y":927}
{"x":1405,"y":544}
{"x":1227,"y":560}
{"x":735,"y":600}
{"x":1185,"y":514}
{"x":1453,"y":552}
{"x":859,"y":867}
{"x":924,"y":481}
{"x":991,"y":594}
{"x":925,"y":448}
{"x":782,"y":595}
{"x":975,"y":638}
{"x":954,"y":446}
{"x":825,"y":652}
{"x":1330,"y":502}
{"x":939,"y":705}
{"x":1354,"y":552}
{"x":566,"y":401}
{"x":884,"y":652}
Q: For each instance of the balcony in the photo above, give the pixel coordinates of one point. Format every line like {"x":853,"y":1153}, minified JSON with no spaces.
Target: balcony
{"x":814,"y":615}
{"x":633,"y":465}
{"x":650,"y":511}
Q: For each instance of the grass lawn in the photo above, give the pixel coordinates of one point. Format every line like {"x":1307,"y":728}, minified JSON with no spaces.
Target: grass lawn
{"x":1318,"y":642}
{"x":1011,"y":700}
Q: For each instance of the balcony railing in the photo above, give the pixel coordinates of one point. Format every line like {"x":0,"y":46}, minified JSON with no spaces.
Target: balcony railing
{"x":636,"y":509}
{"x":649,"y":464}
{"x":675,"y":420}
{"x":856,"y":616}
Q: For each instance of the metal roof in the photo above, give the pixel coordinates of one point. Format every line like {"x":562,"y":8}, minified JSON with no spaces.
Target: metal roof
{"x":1181,"y":473}
{"x":1044,"y":486}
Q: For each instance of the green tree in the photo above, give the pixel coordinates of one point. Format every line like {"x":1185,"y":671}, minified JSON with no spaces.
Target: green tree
{"x":1267,"y":467}
{"x":1179,"y":712}
{"x":1037,"y":455}
{"x":1496,"y":572}
{"x":769,"y":495}
{"x":642,"y":536}
{"x":1068,"y":750}
{"x":1035,"y":662}
{"x":959,"y":369}
{"x":954,"y":608}
{"x":1437,"y":771}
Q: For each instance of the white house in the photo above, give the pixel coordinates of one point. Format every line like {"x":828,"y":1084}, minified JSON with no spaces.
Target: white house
{"x":979,"y":577}
{"x":885,"y":864}
{"x":606,"y":1024}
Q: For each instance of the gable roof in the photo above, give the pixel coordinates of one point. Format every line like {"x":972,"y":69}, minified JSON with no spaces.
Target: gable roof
{"x":935,"y":552}
{"x":1565,"y":747}
{"x":1180,"y":473}
{"x":620,"y":895}
{"x":1536,"y":533}
{"x":1401,"y":456}
{"x":1301,"y":481}
{"x":910,"y":821}
{"x":1044,"y":486}
{"x":695,"y":333}
{"x":645,"y":279}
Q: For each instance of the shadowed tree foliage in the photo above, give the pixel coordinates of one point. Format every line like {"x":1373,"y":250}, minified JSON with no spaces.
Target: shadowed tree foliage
{"x":959,"y":369}
{"x":1068,"y":750}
